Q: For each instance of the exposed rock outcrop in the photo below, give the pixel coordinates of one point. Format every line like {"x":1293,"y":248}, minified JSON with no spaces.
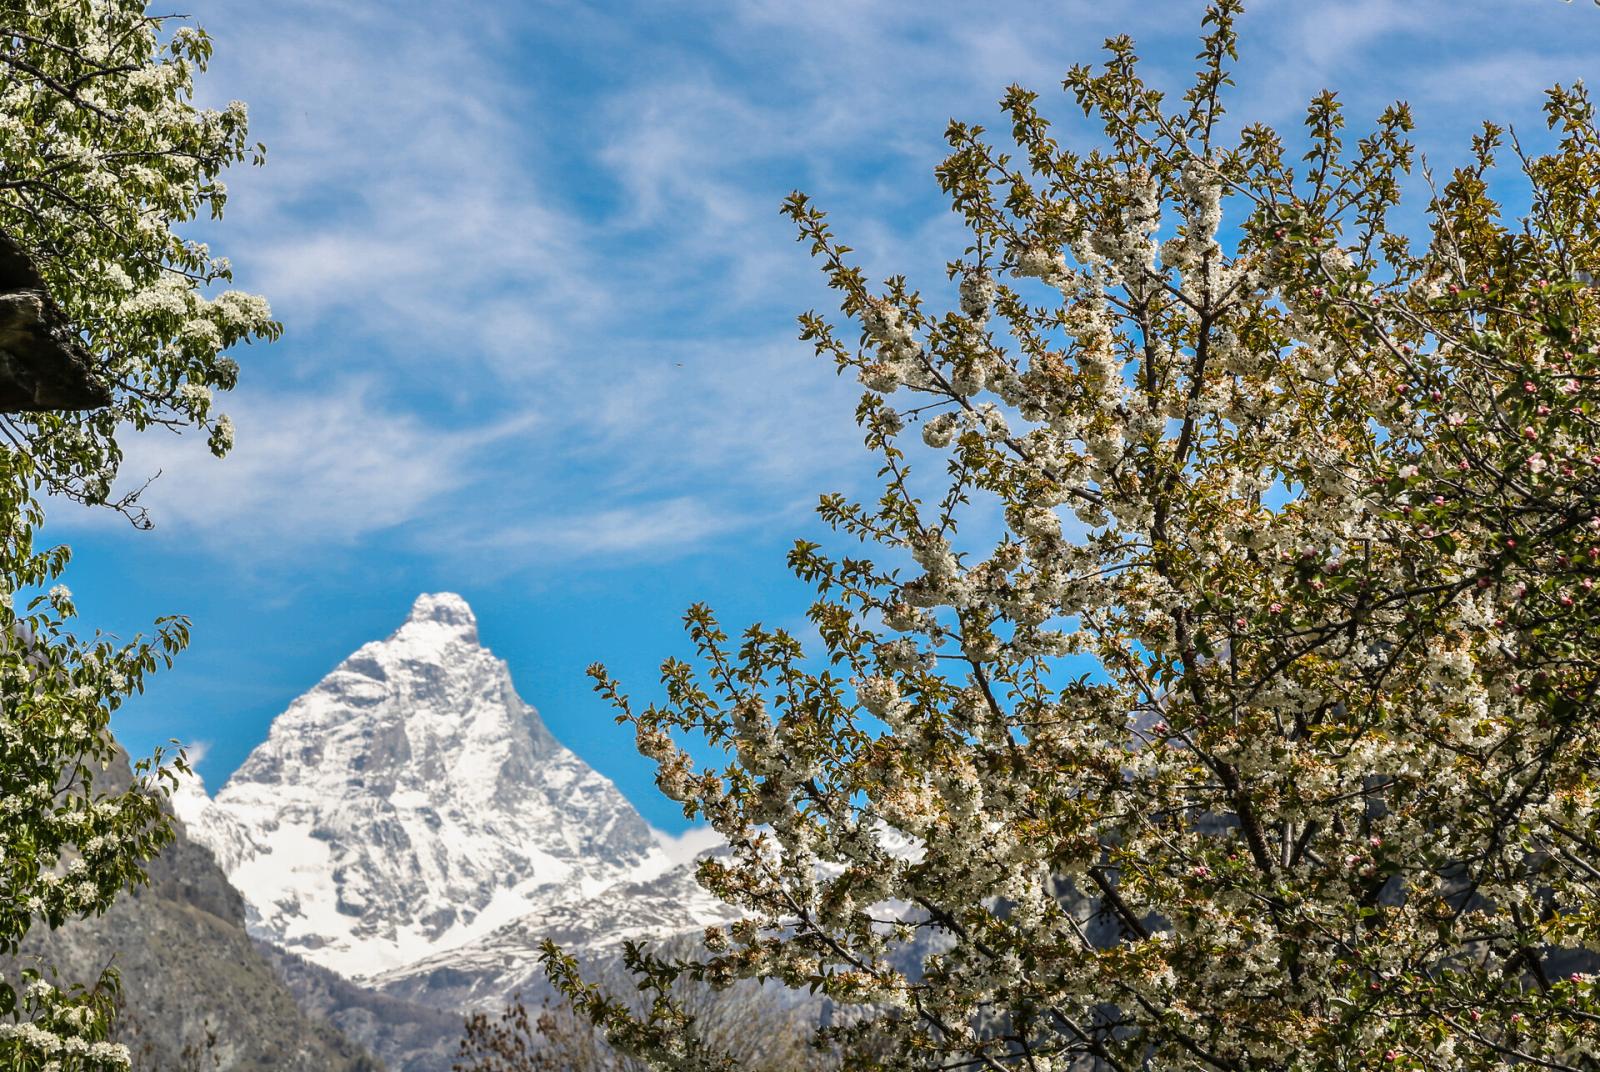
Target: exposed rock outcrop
{"x":196,"y":992}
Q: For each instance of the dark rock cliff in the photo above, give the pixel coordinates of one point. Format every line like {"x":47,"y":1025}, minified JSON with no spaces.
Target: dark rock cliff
{"x":197,"y":993}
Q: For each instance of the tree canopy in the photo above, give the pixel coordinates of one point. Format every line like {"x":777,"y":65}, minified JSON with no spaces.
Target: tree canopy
{"x":1258,"y":732}
{"x":103,"y":156}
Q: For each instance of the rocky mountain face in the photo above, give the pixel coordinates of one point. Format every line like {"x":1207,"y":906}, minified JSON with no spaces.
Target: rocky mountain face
{"x":410,"y":832}
{"x":484,"y":972}
{"x":405,"y":1035}
{"x":411,"y":804}
{"x":196,"y":992}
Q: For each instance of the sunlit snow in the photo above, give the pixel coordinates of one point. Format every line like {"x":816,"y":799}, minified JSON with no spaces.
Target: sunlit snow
{"x":411,"y":803}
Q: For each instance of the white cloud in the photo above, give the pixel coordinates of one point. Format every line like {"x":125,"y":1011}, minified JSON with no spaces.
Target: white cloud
{"x":413,"y":219}
{"x":1509,"y":79}
{"x":646,"y":529}
{"x":311,"y":467}
{"x":607,"y":264}
{"x":684,"y":847}
{"x":402,"y":194}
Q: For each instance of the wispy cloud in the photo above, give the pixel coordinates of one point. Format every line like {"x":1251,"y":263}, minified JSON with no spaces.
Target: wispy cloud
{"x":595,"y":280}
{"x":333,"y":465}
{"x":656,"y":527}
{"x":413,"y":229}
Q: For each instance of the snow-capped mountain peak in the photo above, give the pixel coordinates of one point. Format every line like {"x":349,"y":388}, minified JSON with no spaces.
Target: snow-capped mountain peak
{"x":411,"y":802}
{"x":445,"y":614}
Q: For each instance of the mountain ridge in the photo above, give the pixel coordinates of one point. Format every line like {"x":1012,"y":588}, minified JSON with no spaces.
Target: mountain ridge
{"x":410,"y":803}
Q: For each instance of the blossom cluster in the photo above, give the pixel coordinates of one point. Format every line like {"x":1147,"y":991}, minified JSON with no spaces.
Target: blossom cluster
{"x":63,"y":1031}
{"x":109,"y":156}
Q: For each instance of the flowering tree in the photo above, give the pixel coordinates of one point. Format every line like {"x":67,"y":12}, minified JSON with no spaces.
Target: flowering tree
{"x":102,"y":153}
{"x":1261,"y":734}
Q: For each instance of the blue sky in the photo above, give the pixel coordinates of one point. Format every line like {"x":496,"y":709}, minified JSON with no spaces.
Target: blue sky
{"x":539,"y":306}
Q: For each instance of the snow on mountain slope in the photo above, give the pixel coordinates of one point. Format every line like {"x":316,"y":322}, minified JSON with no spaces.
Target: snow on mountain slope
{"x":411,"y":803}
{"x":487,"y":971}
